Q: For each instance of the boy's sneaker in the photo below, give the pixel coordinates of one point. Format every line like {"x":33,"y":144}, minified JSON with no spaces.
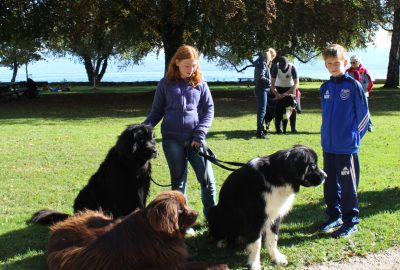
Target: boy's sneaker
{"x":345,"y":231}
{"x":331,"y":225}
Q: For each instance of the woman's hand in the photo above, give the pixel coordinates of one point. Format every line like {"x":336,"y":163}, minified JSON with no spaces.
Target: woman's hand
{"x":196,"y":144}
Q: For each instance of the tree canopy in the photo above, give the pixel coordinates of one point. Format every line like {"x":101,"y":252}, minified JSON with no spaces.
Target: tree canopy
{"x":20,"y":39}
{"x":230,"y":31}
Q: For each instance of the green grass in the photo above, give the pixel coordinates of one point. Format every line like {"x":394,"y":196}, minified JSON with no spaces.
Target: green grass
{"x":50,"y":147}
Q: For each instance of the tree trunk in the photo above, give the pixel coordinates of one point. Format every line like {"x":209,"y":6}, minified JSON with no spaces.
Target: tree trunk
{"x":171,"y":29}
{"x":95,"y":73}
{"x":87,"y":61}
{"x":392,"y":77}
{"x":172,"y":40}
{"x":26,"y":71}
{"x":103,"y":69}
{"x":15,"y":71}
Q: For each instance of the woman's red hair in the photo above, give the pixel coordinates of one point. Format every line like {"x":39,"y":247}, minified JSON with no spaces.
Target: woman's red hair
{"x":184,"y":52}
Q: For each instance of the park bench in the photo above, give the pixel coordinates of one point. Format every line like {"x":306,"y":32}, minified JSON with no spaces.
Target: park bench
{"x":248,"y":81}
{"x":16,"y":89}
{"x":7,"y":90}
{"x":245,"y":80}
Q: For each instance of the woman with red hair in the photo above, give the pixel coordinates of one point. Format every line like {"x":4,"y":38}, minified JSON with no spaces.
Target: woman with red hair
{"x":184,"y":102}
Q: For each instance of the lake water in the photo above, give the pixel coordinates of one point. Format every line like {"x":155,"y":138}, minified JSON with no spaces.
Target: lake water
{"x":375,"y":59}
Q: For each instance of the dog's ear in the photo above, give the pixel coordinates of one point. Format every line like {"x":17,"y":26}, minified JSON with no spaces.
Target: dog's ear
{"x":297,"y":160}
{"x":163,"y":215}
{"x":127,"y":141}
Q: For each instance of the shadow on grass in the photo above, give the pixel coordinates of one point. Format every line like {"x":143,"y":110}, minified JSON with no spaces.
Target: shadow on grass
{"x":371,"y":203}
{"x":35,"y":237}
{"x":70,"y":106}
{"x":77,"y":106}
{"x":247,"y":134}
{"x":20,"y":242}
{"x":203,"y":248}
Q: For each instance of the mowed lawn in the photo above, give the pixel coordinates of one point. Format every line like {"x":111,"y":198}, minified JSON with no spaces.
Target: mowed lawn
{"x":49,"y":147}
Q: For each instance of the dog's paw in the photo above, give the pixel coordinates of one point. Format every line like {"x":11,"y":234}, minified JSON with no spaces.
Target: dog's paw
{"x":279,"y":258}
{"x":222,"y":243}
{"x":256,"y":265}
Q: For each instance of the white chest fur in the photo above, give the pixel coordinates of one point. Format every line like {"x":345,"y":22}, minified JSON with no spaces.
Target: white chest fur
{"x":279,"y":201}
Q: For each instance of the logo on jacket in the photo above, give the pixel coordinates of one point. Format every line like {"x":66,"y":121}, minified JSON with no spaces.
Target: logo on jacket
{"x":344,"y":94}
{"x":345,"y":171}
{"x":326,"y":95}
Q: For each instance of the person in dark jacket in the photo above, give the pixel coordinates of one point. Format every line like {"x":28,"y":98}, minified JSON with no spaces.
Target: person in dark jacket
{"x":184,"y":102}
{"x":262,"y":79}
{"x":345,"y":119}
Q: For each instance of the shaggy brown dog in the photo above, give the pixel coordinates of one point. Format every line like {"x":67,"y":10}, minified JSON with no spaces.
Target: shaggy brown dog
{"x":150,"y":238}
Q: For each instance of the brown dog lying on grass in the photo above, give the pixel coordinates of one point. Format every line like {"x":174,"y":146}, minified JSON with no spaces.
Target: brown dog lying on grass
{"x":150,"y":238}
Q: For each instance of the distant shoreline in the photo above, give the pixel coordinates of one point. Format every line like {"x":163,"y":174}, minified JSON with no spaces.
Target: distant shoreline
{"x":143,"y":83}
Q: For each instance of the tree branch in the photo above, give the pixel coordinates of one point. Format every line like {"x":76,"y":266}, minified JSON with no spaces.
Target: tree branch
{"x":386,"y":28}
{"x":304,"y":61}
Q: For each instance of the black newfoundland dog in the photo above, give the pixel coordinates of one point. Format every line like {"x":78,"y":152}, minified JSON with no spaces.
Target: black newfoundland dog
{"x":254,"y":199}
{"x":122,"y":182}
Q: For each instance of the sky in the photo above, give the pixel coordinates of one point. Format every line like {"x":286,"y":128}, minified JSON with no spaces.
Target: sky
{"x":382,"y":39}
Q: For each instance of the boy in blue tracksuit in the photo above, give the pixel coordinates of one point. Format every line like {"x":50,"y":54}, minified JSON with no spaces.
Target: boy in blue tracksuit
{"x":345,"y":118}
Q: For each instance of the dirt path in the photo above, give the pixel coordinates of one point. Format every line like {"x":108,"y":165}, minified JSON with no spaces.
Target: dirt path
{"x":384,"y":260}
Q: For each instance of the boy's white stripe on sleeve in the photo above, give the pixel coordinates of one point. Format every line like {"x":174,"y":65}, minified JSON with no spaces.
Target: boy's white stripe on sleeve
{"x":363,"y":123}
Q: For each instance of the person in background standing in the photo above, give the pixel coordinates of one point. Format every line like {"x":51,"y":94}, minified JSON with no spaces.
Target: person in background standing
{"x":185,"y":103}
{"x":361,"y":74}
{"x":262,"y":79}
{"x":284,"y":82}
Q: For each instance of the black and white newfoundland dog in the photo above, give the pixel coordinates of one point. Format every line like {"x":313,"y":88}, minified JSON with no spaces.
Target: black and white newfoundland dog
{"x":254,"y":199}
{"x":278,"y":108}
{"x":122,"y":182}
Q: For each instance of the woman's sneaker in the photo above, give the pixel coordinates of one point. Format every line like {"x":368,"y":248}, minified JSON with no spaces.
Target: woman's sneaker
{"x":331,"y":225}
{"x":345,"y":231}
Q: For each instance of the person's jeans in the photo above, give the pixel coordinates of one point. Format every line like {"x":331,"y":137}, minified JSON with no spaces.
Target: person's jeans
{"x":177,"y":155}
{"x":261,"y":96}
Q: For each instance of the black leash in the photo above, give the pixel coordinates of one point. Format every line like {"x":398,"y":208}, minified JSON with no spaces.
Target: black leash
{"x":206,"y":152}
{"x":160,"y":185}
{"x":208,"y":155}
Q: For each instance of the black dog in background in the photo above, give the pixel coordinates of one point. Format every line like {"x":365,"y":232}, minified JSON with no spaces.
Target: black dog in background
{"x":122,"y":182}
{"x":276,"y":109}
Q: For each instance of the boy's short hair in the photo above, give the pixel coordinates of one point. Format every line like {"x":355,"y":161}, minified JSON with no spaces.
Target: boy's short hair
{"x":336,"y":51}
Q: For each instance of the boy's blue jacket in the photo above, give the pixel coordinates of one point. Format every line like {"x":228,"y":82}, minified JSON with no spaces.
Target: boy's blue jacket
{"x":187,"y":111}
{"x":345,"y":115}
